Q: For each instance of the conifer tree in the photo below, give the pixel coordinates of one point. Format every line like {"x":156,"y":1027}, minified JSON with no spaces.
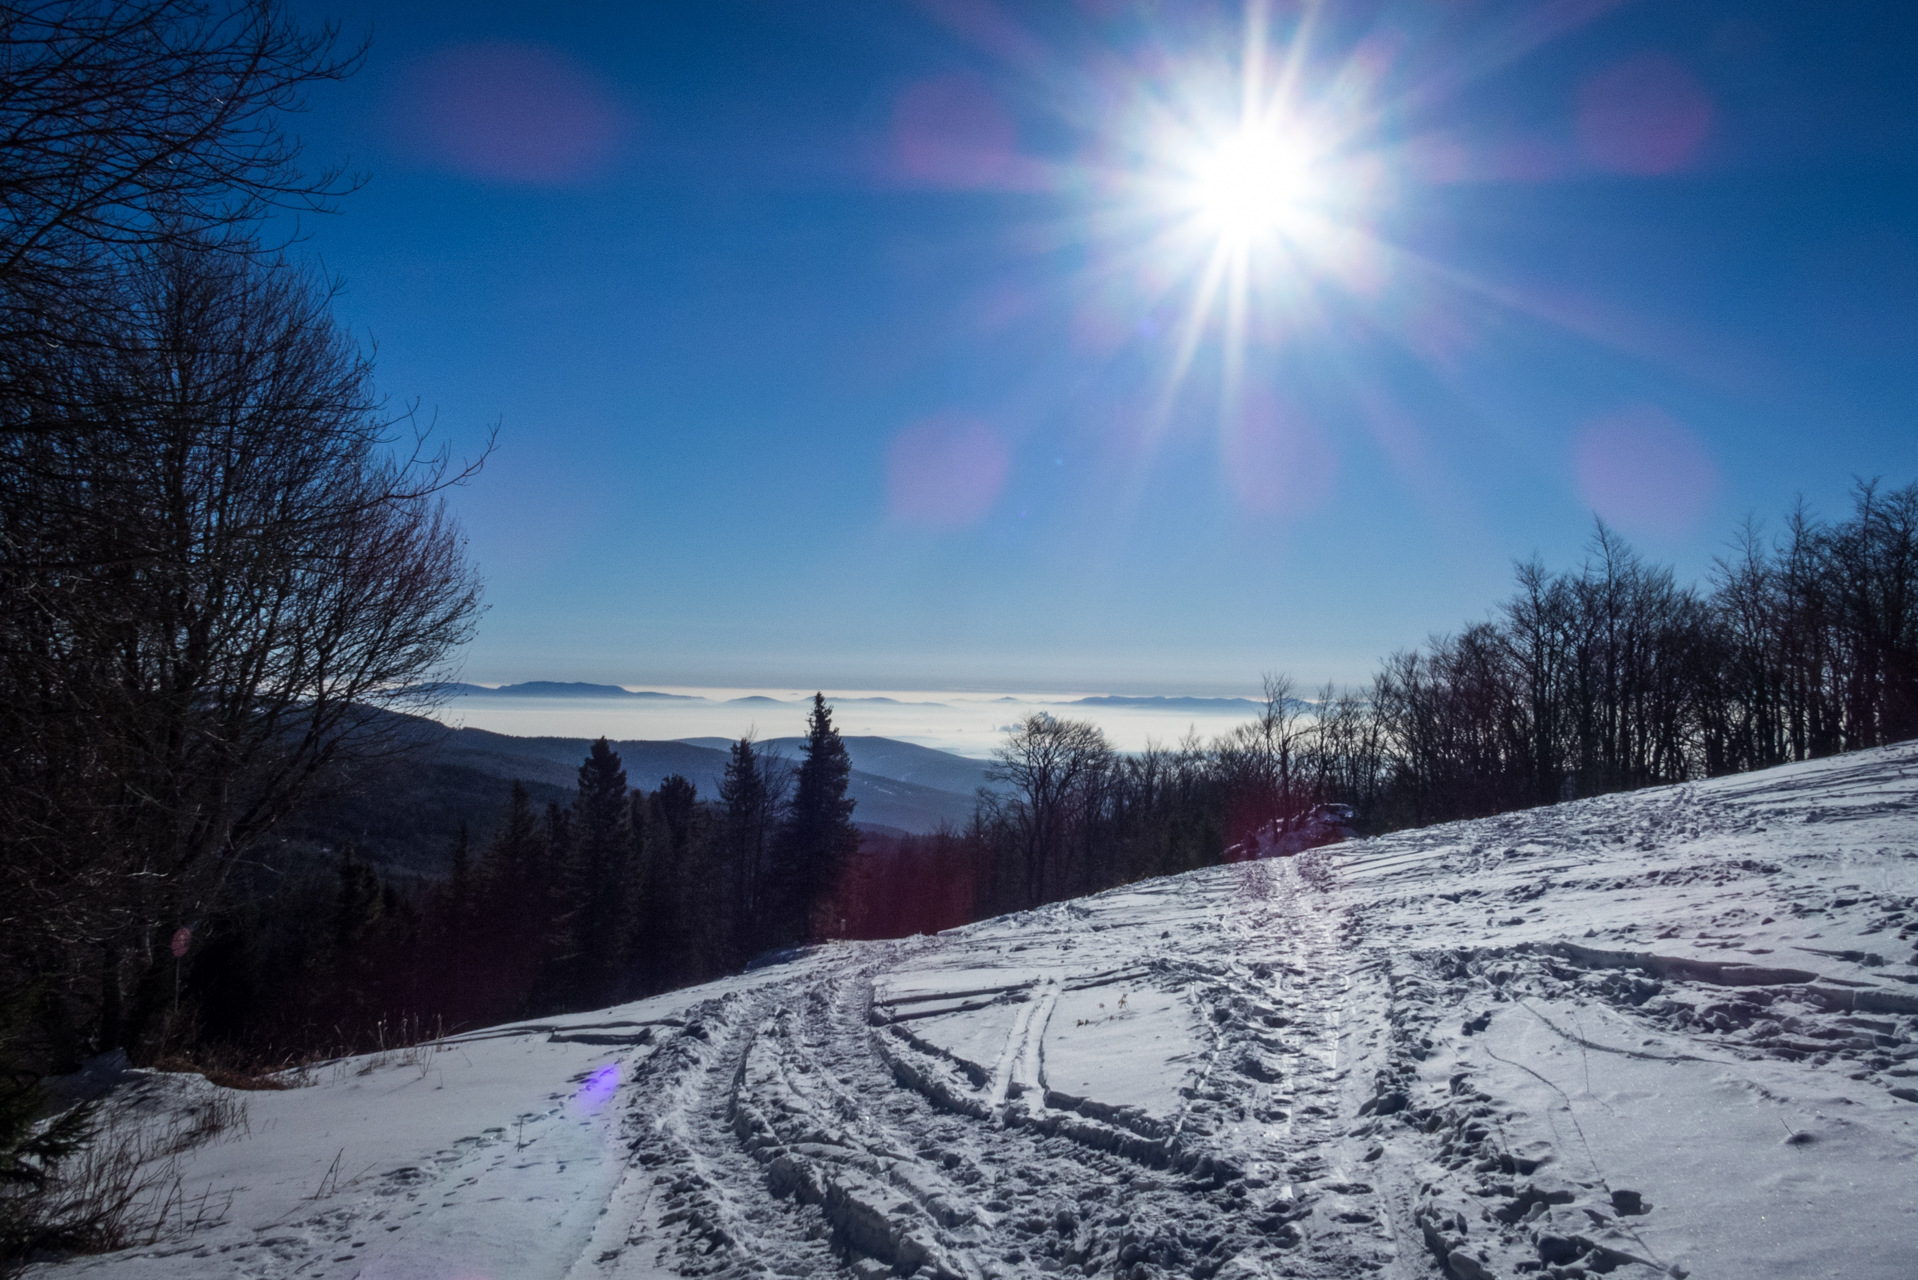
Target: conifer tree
{"x":514,"y":913}
{"x":819,"y":841}
{"x":508,"y":866}
{"x":559,"y":959}
{"x":559,"y":837}
{"x":34,"y":1216}
{"x":647,"y":940}
{"x":749,"y":803}
{"x":460,"y":882}
{"x":673,"y":915}
{"x":457,"y":925}
{"x":603,"y":860}
{"x":675,"y":801}
{"x":360,"y":903}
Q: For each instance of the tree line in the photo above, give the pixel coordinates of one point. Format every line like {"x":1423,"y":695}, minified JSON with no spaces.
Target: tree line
{"x":622,"y":893}
{"x":1606,"y":677}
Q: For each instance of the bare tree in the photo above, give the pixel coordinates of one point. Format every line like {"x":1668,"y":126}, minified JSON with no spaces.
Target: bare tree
{"x":125,"y":124}
{"x":1048,"y":763}
{"x":215,"y":583}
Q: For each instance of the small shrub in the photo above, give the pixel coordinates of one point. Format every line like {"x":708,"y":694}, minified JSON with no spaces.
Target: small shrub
{"x":34,"y":1216}
{"x":102,"y":1177}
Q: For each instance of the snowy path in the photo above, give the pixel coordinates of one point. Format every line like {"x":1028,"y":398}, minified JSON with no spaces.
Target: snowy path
{"x":1664,"y":1033}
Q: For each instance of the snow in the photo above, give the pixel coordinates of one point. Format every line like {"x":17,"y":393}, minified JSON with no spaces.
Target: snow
{"x":1673,"y":1032}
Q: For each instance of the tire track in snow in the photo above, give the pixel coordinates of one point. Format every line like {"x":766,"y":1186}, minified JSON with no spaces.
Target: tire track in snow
{"x":694,"y":1202}
{"x":1295,"y":950}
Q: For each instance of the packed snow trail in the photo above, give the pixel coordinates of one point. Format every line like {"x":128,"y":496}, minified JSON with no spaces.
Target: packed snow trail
{"x":1664,"y":1033}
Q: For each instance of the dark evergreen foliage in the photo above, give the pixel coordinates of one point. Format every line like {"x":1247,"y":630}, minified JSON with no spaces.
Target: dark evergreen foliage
{"x":749,"y":827}
{"x":31,"y":1151}
{"x":819,"y":841}
{"x":597,"y":880}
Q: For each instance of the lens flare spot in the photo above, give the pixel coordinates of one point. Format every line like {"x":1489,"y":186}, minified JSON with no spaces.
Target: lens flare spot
{"x":1277,"y":460}
{"x":597,"y":1088}
{"x":1644,"y":115}
{"x":509,"y":112}
{"x":1353,"y":258}
{"x":952,"y":131}
{"x":1644,"y":471}
{"x":945,"y":473}
{"x":1104,"y":319}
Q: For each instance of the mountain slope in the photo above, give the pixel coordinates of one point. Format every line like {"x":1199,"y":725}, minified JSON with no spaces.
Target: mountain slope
{"x":1667,"y":1033}
{"x":889,"y":758}
{"x":883,"y":799}
{"x":403,"y":816}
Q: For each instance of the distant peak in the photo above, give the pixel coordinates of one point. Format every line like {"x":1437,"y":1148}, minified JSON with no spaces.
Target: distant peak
{"x":1170,"y":704}
{"x":560,"y":689}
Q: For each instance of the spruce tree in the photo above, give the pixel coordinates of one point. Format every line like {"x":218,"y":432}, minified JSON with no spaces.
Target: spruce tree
{"x":744,"y":794}
{"x":508,"y":867}
{"x":359,"y":904}
{"x":515,"y":911}
{"x":36,"y":1216}
{"x":559,"y":962}
{"x":819,"y":841}
{"x":674,"y":917}
{"x":604,"y":863}
{"x":647,"y":942}
{"x":457,"y":925}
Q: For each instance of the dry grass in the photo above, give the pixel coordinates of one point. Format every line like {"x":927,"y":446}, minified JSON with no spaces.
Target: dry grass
{"x":407,"y":1043}
{"x":125,"y":1187}
{"x":247,"y":1075}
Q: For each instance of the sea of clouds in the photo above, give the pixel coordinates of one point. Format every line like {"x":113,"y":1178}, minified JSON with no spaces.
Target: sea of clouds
{"x":969,"y":723}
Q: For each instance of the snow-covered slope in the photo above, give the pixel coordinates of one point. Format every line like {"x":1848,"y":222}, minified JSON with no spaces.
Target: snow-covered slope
{"x":1671,"y":1032}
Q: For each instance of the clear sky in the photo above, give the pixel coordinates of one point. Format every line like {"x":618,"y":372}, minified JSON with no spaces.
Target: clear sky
{"x":1114,"y":344}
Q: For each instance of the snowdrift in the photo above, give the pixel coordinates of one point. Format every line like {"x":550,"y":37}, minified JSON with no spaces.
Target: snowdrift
{"x":1667,"y":1033}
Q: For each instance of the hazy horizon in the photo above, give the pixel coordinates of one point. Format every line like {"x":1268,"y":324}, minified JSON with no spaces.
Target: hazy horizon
{"x":969,"y":723}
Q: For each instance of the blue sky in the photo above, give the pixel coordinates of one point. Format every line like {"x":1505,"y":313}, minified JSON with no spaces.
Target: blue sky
{"x":840,"y":343}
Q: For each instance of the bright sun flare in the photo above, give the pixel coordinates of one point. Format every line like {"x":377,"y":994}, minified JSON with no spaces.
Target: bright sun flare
{"x":1253,"y":189}
{"x":1253,"y":184}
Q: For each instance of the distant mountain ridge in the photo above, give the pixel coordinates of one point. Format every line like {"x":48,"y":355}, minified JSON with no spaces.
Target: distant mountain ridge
{"x":1250,"y":705}
{"x":546,"y":689}
{"x":582,"y":689}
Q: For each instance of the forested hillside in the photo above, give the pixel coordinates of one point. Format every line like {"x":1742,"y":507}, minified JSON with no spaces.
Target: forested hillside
{"x":1604,"y":678}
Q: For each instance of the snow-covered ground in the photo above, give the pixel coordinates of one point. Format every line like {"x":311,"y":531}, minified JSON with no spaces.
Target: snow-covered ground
{"x":1670,"y":1032}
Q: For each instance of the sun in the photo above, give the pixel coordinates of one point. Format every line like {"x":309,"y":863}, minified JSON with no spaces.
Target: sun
{"x":1256,"y":182}
{"x":1240,"y":194}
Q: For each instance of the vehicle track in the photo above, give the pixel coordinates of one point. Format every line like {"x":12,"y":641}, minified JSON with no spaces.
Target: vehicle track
{"x":788,"y":1130}
{"x":794,"y":1127}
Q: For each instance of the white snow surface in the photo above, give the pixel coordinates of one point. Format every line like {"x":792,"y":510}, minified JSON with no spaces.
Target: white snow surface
{"x":1671,"y":1032}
